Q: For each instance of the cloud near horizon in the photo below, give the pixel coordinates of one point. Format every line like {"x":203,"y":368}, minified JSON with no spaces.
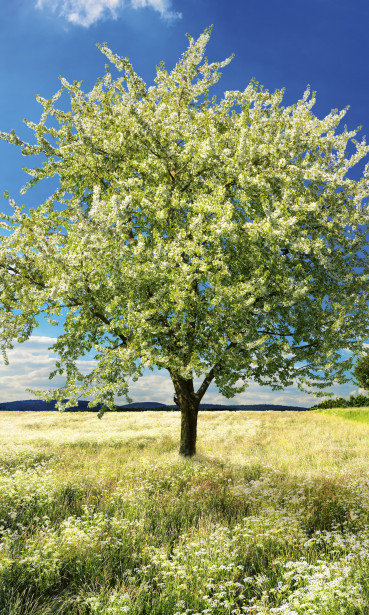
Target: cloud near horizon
{"x":87,"y":12}
{"x":31,"y":362}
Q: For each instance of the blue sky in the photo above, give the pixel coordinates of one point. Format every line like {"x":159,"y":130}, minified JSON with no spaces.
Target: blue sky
{"x":289,"y":43}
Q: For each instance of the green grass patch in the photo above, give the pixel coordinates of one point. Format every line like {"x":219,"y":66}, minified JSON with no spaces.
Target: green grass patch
{"x":360,"y":415}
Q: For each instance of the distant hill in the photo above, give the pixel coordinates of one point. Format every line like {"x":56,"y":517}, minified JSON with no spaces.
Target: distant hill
{"x":145,"y":404}
{"x":36,"y":405}
{"x":209,"y":407}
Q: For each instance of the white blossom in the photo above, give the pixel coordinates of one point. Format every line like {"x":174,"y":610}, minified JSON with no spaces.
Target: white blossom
{"x":210,"y":239}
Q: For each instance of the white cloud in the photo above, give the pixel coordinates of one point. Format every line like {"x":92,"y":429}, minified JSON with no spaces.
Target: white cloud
{"x":161,"y":6}
{"x":256,"y":394}
{"x":43,"y":339}
{"x":87,"y":12}
{"x":29,"y":366}
{"x":152,"y":387}
{"x":31,"y":362}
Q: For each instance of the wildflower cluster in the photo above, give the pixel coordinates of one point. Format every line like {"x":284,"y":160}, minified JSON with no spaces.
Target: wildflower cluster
{"x":86,"y":528}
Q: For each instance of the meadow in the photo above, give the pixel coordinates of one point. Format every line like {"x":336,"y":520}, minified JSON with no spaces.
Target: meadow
{"x":103,"y":517}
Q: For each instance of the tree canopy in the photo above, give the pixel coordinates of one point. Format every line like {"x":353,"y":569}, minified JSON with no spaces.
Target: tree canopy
{"x":220,"y":240}
{"x":361,"y":371}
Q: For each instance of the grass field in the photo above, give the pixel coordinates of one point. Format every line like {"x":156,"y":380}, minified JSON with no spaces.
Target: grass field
{"x":102,"y":517}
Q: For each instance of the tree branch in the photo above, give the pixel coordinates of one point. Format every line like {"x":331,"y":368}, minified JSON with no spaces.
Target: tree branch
{"x":205,"y":385}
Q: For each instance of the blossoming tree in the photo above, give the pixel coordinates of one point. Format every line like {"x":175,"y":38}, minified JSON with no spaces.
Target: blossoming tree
{"x":221,"y":241}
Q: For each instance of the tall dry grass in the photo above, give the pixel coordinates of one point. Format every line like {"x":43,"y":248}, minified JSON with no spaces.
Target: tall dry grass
{"x":103,"y":516}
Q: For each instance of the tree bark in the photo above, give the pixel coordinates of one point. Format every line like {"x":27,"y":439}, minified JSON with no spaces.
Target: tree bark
{"x":189,"y":413}
{"x":188,"y":403}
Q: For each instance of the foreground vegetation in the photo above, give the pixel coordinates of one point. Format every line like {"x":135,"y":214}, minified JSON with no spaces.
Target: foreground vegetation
{"x":103,"y":517}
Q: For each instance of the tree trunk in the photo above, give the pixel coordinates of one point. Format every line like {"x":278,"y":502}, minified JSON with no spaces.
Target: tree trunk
{"x":188,"y":403}
{"x":188,"y":429}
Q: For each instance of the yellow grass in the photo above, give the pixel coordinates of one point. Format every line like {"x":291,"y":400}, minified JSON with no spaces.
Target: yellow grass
{"x":298,"y":443}
{"x":102,"y":517}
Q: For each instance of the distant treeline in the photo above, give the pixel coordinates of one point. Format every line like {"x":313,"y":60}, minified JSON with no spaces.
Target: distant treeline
{"x":355,"y":401}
